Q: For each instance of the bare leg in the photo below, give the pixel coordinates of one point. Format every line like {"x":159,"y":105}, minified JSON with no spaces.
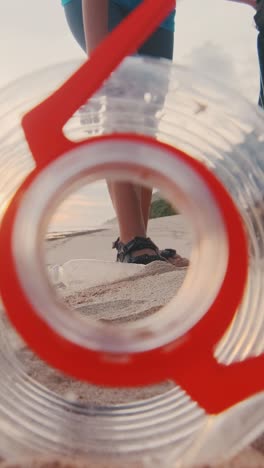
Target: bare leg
{"x":126,"y":201}
{"x":131,"y":203}
{"x":145,"y":197}
{"x":126,"y":197}
{"x":95,"y":22}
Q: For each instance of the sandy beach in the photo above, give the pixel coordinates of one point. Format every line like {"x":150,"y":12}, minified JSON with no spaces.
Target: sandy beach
{"x":133,"y":296}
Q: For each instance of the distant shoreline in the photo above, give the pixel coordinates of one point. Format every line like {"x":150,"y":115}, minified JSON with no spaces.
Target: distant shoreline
{"x":65,"y":235}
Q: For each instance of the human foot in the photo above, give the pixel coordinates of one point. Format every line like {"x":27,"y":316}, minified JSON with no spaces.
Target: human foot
{"x":142,"y":250}
{"x":139,"y":250}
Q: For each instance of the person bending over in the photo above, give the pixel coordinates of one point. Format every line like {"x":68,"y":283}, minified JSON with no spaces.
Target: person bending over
{"x":90,"y":21}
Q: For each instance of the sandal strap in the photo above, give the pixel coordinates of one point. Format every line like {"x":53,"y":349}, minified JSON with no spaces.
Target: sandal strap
{"x":168,"y":253}
{"x":138,"y":243}
{"x":115,"y":244}
{"x":145,"y":259}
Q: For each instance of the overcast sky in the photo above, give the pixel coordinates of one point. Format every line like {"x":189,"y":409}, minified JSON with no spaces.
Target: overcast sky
{"x":214,"y":36}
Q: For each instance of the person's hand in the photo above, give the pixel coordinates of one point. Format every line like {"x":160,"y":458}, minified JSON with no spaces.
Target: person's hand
{"x":246,"y":2}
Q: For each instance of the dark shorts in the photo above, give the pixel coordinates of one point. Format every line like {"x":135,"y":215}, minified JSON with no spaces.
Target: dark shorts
{"x":259,"y":20}
{"x":160,"y":44}
{"x":261,"y":66}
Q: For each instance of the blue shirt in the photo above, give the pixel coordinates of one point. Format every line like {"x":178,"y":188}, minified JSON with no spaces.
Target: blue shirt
{"x":129,"y":5}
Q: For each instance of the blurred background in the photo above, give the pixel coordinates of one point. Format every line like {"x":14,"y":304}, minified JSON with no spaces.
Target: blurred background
{"x":216,"y":36}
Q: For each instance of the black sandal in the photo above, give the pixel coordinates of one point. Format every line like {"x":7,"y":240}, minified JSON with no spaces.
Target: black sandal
{"x":168,"y":253}
{"x":138,"y":243}
{"x":172,"y":254}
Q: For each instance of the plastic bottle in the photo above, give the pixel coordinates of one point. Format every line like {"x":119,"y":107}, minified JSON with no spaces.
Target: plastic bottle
{"x":194,"y":114}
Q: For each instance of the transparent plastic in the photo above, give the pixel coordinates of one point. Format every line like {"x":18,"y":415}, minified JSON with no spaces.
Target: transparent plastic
{"x":178,"y":182}
{"x":78,"y":274}
{"x":220,"y":128}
